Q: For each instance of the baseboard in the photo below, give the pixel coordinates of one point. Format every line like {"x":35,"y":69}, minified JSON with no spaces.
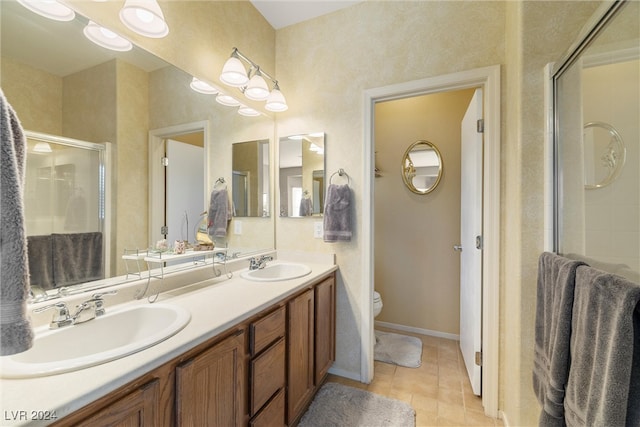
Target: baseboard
{"x":346,"y":374}
{"x":418,"y":330}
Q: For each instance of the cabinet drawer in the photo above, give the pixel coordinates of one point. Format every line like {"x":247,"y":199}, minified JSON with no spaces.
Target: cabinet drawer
{"x":267,"y":330}
{"x":267,"y":375}
{"x":272,"y":415}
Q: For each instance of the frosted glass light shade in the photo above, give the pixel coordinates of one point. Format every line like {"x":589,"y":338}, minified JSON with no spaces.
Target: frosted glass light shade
{"x":257,"y":88}
{"x":202,"y":87}
{"x":276,"y":101}
{"x":233,"y":73}
{"x":247,"y":111}
{"x":49,"y":9}
{"x":227,"y":100}
{"x":42,"y":147}
{"x":144,"y":17}
{"x":106,"y":38}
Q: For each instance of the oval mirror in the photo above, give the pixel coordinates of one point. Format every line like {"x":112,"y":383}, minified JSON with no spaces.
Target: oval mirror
{"x":604,"y":154}
{"x":422,"y":167}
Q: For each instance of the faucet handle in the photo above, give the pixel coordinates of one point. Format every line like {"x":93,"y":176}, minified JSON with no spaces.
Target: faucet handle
{"x":61,"y":318}
{"x":98,"y":302}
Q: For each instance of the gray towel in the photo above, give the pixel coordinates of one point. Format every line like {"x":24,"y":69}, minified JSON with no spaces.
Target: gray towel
{"x":16,"y":332}
{"x":602,"y":389}
{"x":555,"y":292}
{"x":306,"y":207}
{"x":41,"y":261}
{"x":219,"y":213}
{"x":337,"y":213}
{"x":77,"y":258}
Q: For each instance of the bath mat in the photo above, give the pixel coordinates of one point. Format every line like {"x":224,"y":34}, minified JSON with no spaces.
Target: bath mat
{"x":338,"y":405}
{"x":397,"y":349}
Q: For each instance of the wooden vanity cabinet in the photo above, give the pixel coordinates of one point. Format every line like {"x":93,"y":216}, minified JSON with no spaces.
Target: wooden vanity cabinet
{"x":325,"y":328}
{"x":263,"y":372}
{"x":210,"y":387}
{"x":138,"y":408}
{"x":300,"y":385}
{"x":267,"y":369}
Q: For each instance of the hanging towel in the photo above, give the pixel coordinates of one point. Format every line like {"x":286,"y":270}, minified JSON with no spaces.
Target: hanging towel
{"x":337,"y":213}
{"x":602,"y":388}
{"x":306,"y":207}
{"x":16,"y":332}
{"x":219,"y":213}
{"x":77,"y":258}
{"x":40,"y":261}
{"x":555,"y":292}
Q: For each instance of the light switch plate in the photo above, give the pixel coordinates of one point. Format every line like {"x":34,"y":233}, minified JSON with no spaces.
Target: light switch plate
{"x":237,"y":227}
{"x":318,"y":229}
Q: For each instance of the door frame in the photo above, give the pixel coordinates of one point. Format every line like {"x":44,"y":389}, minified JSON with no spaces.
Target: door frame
{"x":156,"y":177}
{"x":488,"y":78}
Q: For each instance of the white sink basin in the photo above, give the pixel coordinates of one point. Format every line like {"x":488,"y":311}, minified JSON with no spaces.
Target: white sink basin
{"x":112,"y":336}
{"x":276,"y":272}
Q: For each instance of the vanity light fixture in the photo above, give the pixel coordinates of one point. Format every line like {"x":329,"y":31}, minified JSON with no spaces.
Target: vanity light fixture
{"x":227,"y":100}
{"x":203,"y":87}
{"x":42,"y":147}
{"x":276,"y":101}
{"x":51,"y":9}
{"x":144,"y":17}
{"x":247,"y":111}
{"x":106,"y":38}
{"x":252,"y":83}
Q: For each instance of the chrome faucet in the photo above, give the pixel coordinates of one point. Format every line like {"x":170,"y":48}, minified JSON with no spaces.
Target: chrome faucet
{"x":88,"y":310}
{"x":259,"y":263}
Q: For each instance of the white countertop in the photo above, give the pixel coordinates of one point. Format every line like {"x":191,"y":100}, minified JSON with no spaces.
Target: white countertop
{"x":215,"y":306}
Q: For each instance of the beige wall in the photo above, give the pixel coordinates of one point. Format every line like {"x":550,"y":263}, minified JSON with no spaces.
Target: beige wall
{"x":416,"y":270}
{"x":537,"y":33}
{"x":35,"y":95}
{"x":349,"y":51}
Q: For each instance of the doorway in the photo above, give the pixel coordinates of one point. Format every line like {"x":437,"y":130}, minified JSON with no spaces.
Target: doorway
{"x":188,"y":143}
{"x":489,"y":80}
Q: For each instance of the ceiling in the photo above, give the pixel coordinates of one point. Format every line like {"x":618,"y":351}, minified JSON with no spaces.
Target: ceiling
{"x":282,"y":13}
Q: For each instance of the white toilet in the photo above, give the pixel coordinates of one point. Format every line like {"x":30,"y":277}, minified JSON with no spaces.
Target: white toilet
{"x":377,"y":304}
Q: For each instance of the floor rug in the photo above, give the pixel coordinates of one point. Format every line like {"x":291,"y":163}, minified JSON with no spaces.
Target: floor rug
{"x":338,"y":405}
{"x":397,"y":349}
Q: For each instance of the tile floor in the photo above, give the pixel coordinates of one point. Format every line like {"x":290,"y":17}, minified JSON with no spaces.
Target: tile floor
{"x":438,"y":390}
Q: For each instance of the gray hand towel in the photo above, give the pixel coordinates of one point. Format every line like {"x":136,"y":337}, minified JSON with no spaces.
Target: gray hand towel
{"x":219,"y":213}
{"x":602,"y":388}
{"x":77,"y":258}
{"x":16,"y":332}
{"x":41,"y":261}
{"x":337,"y":213}
{"x":555,"y":293}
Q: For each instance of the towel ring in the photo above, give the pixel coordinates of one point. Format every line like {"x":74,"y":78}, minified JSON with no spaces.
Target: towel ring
{"x":340,"y":172}
{"x":220,"y":181}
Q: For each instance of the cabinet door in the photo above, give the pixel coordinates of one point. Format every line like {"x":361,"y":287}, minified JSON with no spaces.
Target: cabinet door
{"x":137,"y":409}
{"x":300,"y":354}
{"x":210,"y":388}
{"x":325,"y":327}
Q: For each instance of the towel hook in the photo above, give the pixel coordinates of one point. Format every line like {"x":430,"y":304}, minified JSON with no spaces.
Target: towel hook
{"x":341,"y":172}
{"x":220,"y":180}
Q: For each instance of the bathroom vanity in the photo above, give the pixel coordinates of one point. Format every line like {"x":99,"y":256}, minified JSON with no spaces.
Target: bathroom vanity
{"x":254,"y":353}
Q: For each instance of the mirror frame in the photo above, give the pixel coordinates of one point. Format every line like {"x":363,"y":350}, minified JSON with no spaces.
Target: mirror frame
{"x":408,"y":172}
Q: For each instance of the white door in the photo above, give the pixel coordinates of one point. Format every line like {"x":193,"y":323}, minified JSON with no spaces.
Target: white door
{"x":184,"y":190}
{"x":471,"y":242}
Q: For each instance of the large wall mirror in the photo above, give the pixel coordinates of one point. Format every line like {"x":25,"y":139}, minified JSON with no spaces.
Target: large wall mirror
{"x":251,"y":179}
{"x":65,"y":88}
{"x":302,"y":175}
{"x":597,"y":105}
